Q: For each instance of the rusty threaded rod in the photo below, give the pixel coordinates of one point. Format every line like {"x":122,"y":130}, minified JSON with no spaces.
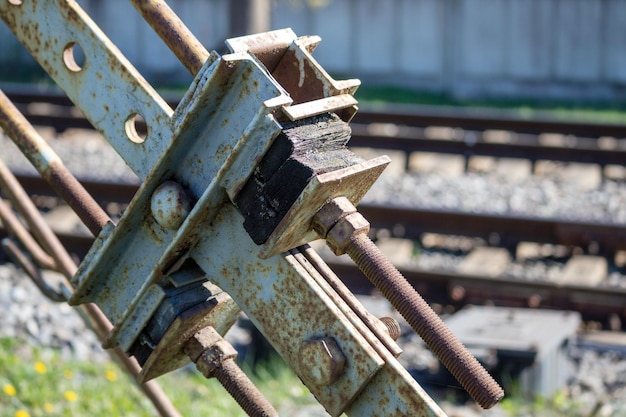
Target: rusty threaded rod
{"x":243,"y":390}
{"x":215,"y":357}
{"x":50,"y":166}
{"x":439,"y":338}
{"x":173,"y":32}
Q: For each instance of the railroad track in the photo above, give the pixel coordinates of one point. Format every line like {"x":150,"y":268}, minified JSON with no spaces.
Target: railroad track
{"x":485,"y":134}
{"x":455,"y":288}
{"x":406,"y":131}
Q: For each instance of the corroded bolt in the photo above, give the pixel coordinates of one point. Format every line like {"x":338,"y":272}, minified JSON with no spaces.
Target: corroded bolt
{"x":330,"y":214}
{"x":351,"y":238}
{"x":215,"y":357}
{"x":321,"y":361}
{"x":340,"y":236}
{"x":392,"y":326}
{"x":170,"y":205}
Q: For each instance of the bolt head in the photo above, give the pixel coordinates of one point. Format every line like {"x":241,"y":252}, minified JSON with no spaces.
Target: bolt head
{"x":170,"y":205}
{"x":340,"y":235}
{"x":330,"y":213}
{"x":321,"y":361}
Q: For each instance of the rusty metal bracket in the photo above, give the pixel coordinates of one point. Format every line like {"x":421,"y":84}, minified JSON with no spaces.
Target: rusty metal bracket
{"x":194,"y":161}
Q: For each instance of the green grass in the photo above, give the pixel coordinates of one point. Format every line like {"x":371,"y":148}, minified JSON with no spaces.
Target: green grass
{"x":380,"y":97}
{"x":37,"y":382}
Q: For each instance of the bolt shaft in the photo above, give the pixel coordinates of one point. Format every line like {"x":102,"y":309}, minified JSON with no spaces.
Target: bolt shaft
{"x":215,"y":357}
{"x":450,"y":351}
{"x":243,"y":390}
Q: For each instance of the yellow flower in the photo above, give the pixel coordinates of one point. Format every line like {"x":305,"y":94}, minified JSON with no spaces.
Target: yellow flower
{"x":68,"y":374}
{"x":22,"y":413}
{"x":110,"y":375}
{"x":70,"y":396}
{"x":48,"y":408}
{"x":9,"y":390}
{"x":40,"y":367}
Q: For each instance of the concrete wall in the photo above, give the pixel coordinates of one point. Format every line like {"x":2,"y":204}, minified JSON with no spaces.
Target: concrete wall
{"x":506,"y":48}
{"x":518,"y":48}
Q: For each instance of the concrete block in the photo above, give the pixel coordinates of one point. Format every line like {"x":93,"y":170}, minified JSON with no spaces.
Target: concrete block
{"x":533,"y":343}
{"x":584,"y":270}
{"x":486,"y":261}
{"x":447,"y":165}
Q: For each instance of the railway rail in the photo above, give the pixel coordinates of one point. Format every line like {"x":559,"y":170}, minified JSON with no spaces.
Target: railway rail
{"x":403,"y":128}
{"x":261,"y":134}
{"x":595,"y":302}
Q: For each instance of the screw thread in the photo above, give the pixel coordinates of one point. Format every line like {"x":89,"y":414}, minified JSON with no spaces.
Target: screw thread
{"x":249,"y":398}
{"x":450,"y":351}
{"x":393,"y":327}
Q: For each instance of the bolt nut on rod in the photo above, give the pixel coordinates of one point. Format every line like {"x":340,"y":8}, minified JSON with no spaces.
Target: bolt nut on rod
{"x":345,"y":231}
{"x":215,"y":357}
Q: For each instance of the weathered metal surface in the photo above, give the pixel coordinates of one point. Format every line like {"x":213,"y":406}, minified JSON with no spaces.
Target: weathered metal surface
{"x":377,"y":335}
{"x":209,"y":156}
{"x":219,"y":312}
{"x":286,"y":304}
{"x":295,"y":228}
{"x":170,"y":205}
{"x":288,"y":58}
{"x":106,"y":87}
{"x":323,"y":360}
{"x":210,"y":147}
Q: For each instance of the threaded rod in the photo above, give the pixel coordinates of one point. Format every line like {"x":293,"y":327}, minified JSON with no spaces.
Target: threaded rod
{"x":450,"y":351}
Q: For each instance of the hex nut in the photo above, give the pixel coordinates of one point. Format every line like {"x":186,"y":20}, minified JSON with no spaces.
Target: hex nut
{"x":201,"y":341}
{"x":212,"y":358}
{"x":321,"y":361}
{"x":340,"y":235}
{"x":330,"y":214}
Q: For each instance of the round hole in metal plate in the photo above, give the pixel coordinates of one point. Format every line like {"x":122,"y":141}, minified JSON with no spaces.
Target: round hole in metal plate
{"x":73,"y":57}
{"x":136,"y":128}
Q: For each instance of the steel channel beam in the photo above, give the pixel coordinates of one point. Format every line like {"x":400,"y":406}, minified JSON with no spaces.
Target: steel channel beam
{"x":106,"y":87}
{"x":274,"y":292}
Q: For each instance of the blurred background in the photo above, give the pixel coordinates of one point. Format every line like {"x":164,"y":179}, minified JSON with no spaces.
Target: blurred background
{"x":566,"y":50}
{"x":504,"y":204}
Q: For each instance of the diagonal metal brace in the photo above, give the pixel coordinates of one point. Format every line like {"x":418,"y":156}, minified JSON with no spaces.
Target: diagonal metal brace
{"x":209,"y":148}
